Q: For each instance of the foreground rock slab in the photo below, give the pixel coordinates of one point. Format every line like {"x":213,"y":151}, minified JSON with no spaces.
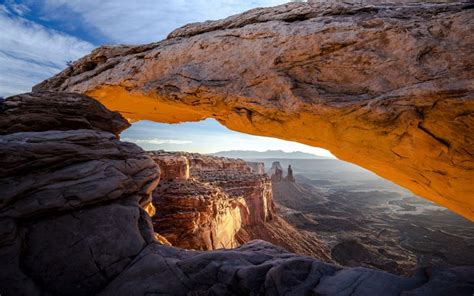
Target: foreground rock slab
{"x":388,"y":87}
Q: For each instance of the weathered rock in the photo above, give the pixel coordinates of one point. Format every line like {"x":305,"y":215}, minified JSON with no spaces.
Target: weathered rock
{"x":43,"y":111}
{"x":199,"y":163}
{"x":255,"y":189}
{"x":84,"y":249}
{"x":173,"y":167}
{"x":388,"y":87}
{"x":70,"y":213}
{"x":50,"y":171}
{"x":275,"y":165}
{"x":78,"y":245}
{"x":258,"y":268}
{"x":257,"y":167}
{"x":222,"y":205}
{"x":194,"y":215}
{"x":290,"y":177}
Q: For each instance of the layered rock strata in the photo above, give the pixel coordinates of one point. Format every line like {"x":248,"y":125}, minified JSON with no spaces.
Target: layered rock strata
{"x":71,"y":208}
{"x":194,"y":215}
{"x":206,"y":209}
{"x":386,"y":86}
{"x":257,"y":167}
{"x":223,"y":204}
{"x":72,"y":223}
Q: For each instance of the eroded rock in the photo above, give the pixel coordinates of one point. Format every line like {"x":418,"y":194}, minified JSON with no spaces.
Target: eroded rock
{"x":386,"y":86}
{"x":106,"y":245}
{"x":72,"y":195}
{"x":43,"y":111}
{"x":222,"y":204}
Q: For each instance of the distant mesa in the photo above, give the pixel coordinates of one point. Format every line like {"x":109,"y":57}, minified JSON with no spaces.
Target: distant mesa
{"x":250,"y":154}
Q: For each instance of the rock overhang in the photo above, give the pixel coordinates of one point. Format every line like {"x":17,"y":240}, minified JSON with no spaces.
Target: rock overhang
{"x":388,"y":87}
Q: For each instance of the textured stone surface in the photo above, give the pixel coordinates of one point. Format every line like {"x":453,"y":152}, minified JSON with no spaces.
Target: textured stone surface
{"x":173,"y":167}
{"x":70,"y":209}
{"x":223,"y":204}
{"x":194,"y":215}
{"x":48,"y":171}
{"x":57,"y":111}
{"x":388,"y":87}
{"x":258,"y":268}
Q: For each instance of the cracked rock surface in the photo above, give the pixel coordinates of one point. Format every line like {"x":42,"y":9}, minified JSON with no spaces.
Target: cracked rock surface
{"x":74,"y":224}
{"x":386,"y":86}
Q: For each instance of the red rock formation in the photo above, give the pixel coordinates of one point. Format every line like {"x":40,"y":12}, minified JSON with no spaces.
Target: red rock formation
{"x":199,"y":211}
{"x":255,"y":189}
{"x":222,"y":205}
{"x":173,"y":167}
{"x":195,"y":215}
{"x":387,"y":86}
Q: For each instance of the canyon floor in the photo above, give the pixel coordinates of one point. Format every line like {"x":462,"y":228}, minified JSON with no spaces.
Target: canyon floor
{"x":368,"y":221}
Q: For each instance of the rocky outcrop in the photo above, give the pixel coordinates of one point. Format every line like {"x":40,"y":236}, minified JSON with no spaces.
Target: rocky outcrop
{"x":276,"y":172}
{"x":76,"y":227}
{"x":386,"y":86}
{"x":255,"y":189}
{"x":257,"y":167}
{"x":173,"y":167}
{"x":194,"y":215}
{"x":45,"y":111}
{"x":223,"y":204}
{"x":290,"y":177}
{"x":72,"y":195}
{"x":206,"y":210}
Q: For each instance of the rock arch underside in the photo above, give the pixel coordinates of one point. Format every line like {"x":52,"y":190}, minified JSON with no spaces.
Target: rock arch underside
{"x":389,"y":87}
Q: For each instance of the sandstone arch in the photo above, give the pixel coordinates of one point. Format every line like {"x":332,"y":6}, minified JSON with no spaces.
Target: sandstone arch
{"x":390,"y":88}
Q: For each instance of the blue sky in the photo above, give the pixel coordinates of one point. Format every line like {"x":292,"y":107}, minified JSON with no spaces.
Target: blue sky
{"x":38,"y":37}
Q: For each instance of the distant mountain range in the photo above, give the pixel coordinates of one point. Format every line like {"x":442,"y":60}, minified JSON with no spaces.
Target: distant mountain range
{"x":248,"y":154}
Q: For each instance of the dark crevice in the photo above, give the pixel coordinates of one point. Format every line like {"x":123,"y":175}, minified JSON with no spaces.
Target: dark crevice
{"x":428,"y":132}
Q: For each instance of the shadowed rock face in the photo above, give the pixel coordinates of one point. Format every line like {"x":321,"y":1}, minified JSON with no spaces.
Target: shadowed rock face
{"x":74,"y":224}
{"x":53,"y":111}
{"x":387,"y":87}
{"x":70,"y":213}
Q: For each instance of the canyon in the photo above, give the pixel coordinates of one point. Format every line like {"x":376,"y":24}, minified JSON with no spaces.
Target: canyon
{"x":206,"y":203}
{"x":367,"y":221}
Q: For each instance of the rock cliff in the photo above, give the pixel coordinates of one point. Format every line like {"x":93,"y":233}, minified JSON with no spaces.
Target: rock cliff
{"x":290,"y":177}
{"x":257,"y":167}
{"x":221,"y":204}
{"x":72,"y":223}
{"x":386,"y":86}
{"x":276,"y":172}
{"x":71,"y":208}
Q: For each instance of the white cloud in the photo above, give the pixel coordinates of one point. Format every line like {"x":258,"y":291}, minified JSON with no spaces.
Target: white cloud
{"x":125,"y":21}
{"x":156,"y":141}
{"x":30,"y":53}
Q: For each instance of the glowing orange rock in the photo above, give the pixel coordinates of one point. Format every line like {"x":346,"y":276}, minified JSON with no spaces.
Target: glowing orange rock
{"x":388,"y":88}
